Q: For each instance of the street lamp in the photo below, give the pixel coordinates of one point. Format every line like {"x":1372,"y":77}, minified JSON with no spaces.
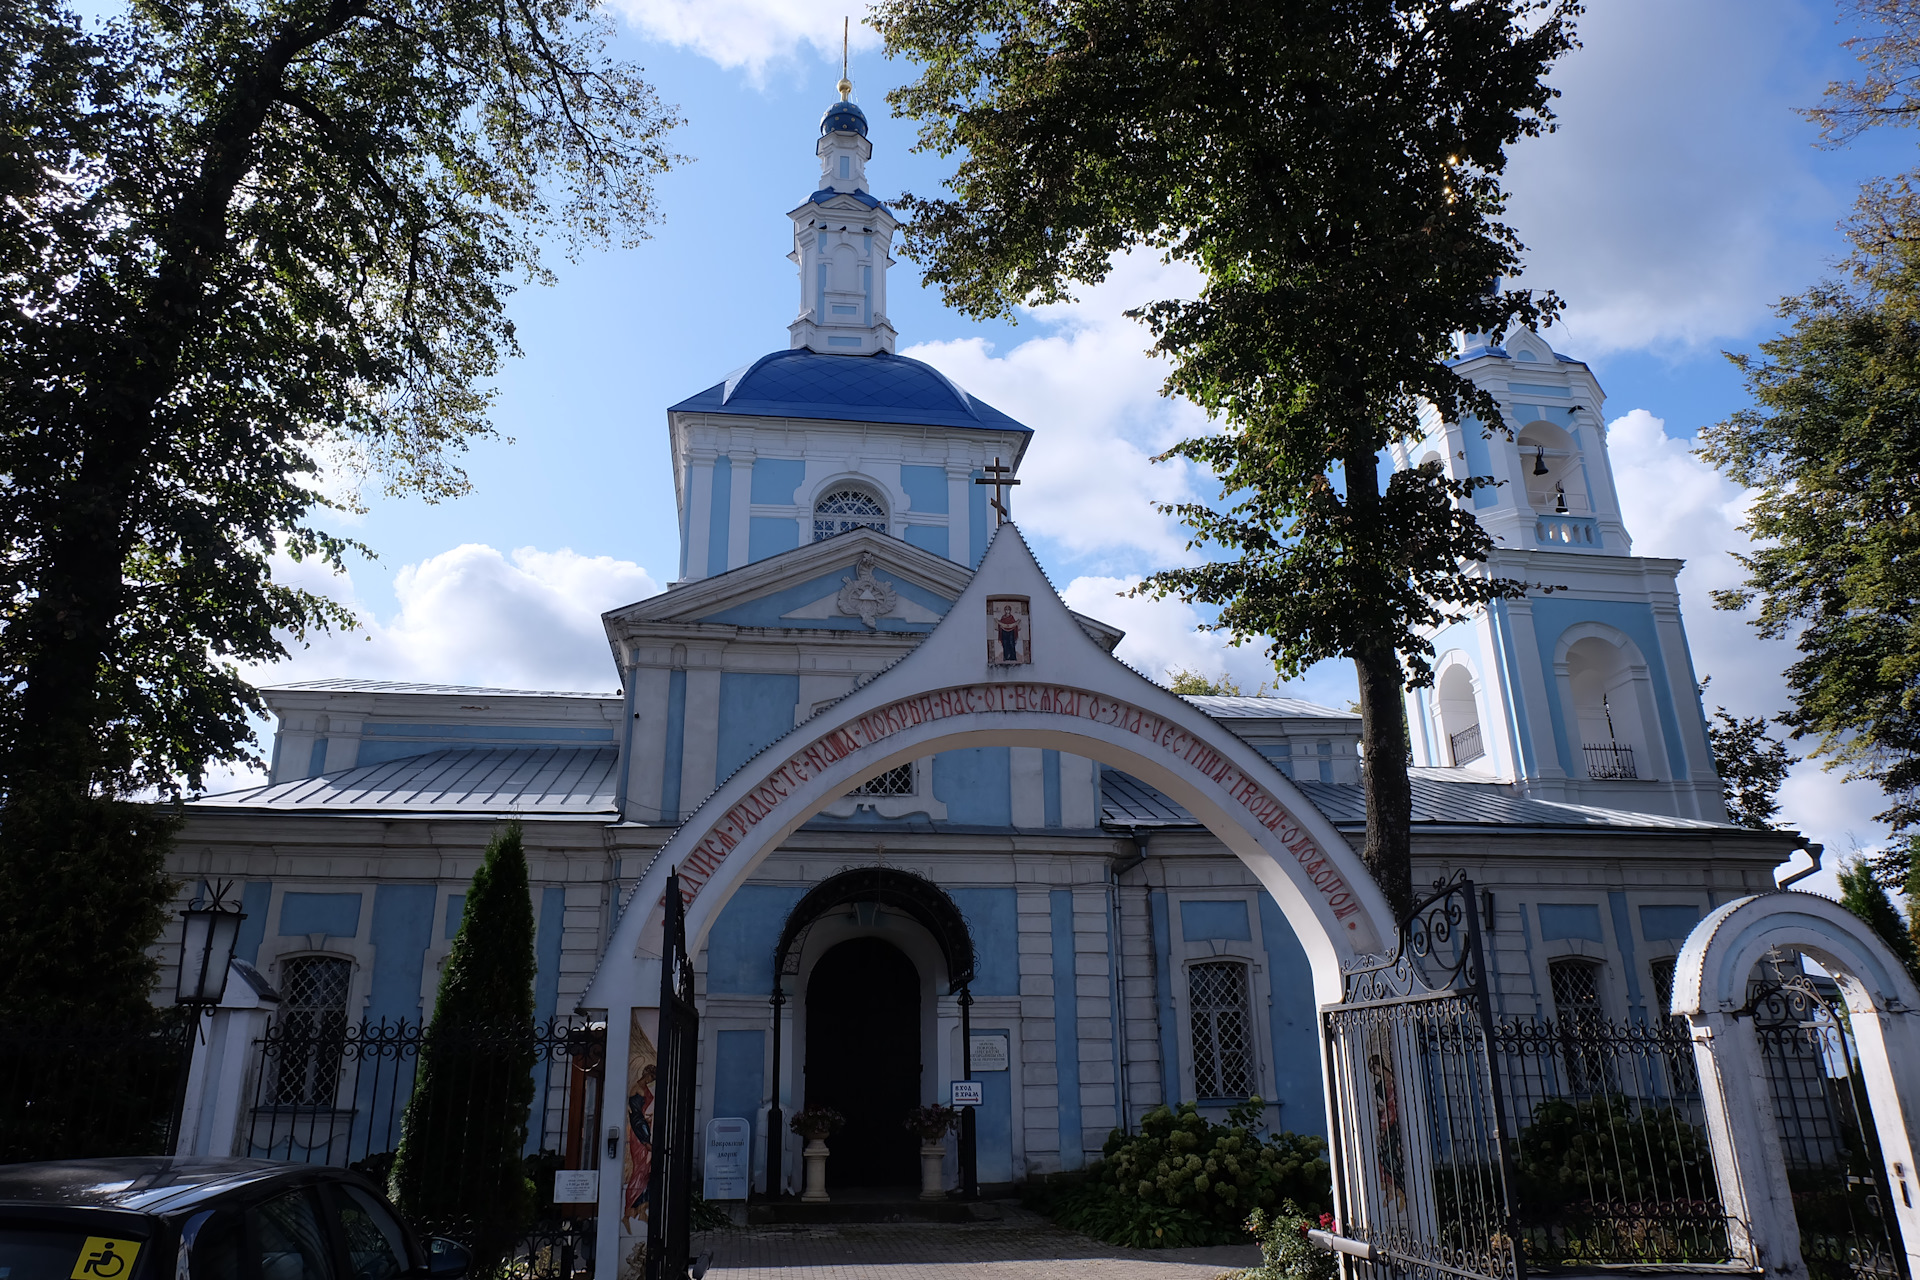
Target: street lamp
{"x":209,"y":930}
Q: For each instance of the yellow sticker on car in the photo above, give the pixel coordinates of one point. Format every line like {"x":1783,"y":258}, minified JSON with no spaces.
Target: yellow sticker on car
{"x":103,"y":1258}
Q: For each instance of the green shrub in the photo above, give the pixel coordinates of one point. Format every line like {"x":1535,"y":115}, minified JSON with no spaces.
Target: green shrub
{"x":1184,"y":1181}
{"x":1285,"y":1251}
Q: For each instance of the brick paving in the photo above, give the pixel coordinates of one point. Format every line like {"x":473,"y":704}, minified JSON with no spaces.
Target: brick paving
{"x":1020,"y":1246}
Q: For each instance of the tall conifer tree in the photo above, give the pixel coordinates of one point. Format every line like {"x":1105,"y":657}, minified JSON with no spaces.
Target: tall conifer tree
{"x":465,"y":1131}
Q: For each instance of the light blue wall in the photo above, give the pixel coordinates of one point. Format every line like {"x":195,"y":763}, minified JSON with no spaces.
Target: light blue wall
{"x":1668,"y":923}
{"x":993,"y":1119}
{"x":1560,"y":920}
{"x":926,"y":489}
{"x":1479,"y":460}
{"x":1163,"y":997}
{"x":770,"y":535}
{"x":1203,"y":921}
{"x":977,"y":519}
{"x":255,"y":897}
{"x":456,"y":912}
{"x":335,"y":914}
{"x":1623,"y":937}
{"x":992,"y":917}
{"x":766,"y":611}
{"x":740,"y":944}
{"x":1506,"y":658}
{"x":546,"y":951}
{"x":740,"y":1086}
{"x":1295,"y":1024}
{"x":775,"y":480}
{"x":721,"y":515}
{"x":929,"y":537}
{"x":974,"y":785}
{"x":317,"y":758}
{"x":1552,"y":615}
{"x":755,"y":710}
{"x":1066,"y":1029}
{"x":675,"y":746}
{"x":402,"y":930}
{"x":1050,"y":786}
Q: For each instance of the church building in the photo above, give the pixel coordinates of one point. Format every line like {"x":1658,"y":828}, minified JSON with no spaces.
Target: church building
{"x":1122,"y":958}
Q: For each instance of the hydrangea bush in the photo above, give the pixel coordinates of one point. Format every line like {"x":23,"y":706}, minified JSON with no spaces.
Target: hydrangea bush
{"x":1184,"y":1180}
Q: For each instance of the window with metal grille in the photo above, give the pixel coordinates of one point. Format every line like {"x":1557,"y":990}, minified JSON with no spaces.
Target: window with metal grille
{"x":840,"y":510}
{"x":894,"y":782}
{"x":313,"y":1029}
{"x":1576,"y":1006}
{"x":1663,"y":983}
{"x":1222,"y":1030}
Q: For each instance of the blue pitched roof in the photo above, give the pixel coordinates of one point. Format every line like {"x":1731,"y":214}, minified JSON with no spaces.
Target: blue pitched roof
{"x":827,"y":193}
{"x":876,"y":388}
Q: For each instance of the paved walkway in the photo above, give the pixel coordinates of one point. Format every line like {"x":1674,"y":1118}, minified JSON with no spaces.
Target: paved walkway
{"x":1021,"y":1246}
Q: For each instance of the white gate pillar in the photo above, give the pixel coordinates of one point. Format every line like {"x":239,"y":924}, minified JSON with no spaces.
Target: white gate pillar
{"x":211,"y":1121}
{"x":1889,"y":1045}
{"x":1748,"y":1161}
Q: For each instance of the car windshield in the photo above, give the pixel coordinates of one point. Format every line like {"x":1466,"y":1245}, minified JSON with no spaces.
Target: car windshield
{"x":64,"y":1253}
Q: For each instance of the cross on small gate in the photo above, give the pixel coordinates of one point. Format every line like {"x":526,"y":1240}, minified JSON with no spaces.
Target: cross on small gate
{"x":1000,"y":478}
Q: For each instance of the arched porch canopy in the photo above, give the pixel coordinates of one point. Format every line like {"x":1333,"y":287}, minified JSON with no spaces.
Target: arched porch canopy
{"x":914,"y":896}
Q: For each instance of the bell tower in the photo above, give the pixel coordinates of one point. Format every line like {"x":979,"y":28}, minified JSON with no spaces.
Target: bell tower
{"x":1585,"y":692}
{"x":841,"y":242}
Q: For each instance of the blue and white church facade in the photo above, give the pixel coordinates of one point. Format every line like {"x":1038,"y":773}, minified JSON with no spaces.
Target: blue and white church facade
{"x":1124,"y":957}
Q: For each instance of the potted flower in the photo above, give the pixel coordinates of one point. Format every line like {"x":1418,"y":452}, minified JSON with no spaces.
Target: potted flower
{"x":816,"y":1124}
{"x":933,"y":1123}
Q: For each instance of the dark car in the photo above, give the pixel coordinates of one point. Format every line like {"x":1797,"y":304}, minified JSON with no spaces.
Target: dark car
{"x":204,"y":1218}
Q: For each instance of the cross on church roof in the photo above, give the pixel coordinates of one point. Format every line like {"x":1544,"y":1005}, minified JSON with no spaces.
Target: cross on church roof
{"x":1000,"y":478}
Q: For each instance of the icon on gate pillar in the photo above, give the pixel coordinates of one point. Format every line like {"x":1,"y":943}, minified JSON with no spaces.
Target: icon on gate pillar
{"x":1009,"y":634}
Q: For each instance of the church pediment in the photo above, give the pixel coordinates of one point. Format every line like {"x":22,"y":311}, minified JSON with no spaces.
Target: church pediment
{"x":860,"y":581}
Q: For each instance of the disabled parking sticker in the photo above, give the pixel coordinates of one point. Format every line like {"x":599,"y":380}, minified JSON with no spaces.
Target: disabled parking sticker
{"x":102,"y":1258}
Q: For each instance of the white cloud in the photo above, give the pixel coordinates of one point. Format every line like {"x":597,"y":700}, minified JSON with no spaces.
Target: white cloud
{"x":1092,"y":396}
{"x":1680,"y":195}
{"x":1167,"y":634}
{"x":751,"y":34}
{"x":473,"y":616}
{"x":1674,"y":504}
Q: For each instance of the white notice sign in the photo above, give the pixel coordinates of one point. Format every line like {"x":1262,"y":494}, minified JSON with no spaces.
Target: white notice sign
{"x":968,"y":1093}
{"x":576,"y":1186}
{"x":988,"y":1052}
{"x":729,"y":1167}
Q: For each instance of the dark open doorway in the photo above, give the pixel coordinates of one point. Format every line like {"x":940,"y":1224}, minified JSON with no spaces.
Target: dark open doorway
{"x":863,"y":1060}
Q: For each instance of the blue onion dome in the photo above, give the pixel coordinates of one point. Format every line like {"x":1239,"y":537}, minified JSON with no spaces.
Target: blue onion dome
{"x":844,"y":117}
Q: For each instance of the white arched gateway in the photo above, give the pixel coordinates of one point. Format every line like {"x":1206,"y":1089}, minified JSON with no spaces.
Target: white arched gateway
{"x":1008,"y":665}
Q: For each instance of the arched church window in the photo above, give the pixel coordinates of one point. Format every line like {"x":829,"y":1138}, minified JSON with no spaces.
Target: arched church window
{"x":1576,"y":1006}
{"x":1222,"y":1029}
{"x":1460,"y":717}
{"x":312,"y":1030}
{"x":845,"y":508}
{"x":1606,"y":707}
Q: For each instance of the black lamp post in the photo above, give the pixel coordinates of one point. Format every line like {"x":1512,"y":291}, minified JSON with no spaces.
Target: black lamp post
{"x":210,"y":928}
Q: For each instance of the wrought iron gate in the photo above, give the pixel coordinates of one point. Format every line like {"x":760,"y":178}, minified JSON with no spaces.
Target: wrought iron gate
{"x":670,"y":1189}
{"x":1847,"y":1229}
{"x":1422,"y":1174}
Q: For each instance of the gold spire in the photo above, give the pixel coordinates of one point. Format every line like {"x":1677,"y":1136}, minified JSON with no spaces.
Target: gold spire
{"x":846,"y":85}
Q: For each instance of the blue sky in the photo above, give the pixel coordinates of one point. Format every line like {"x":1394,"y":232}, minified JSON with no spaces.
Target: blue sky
{"x":1680,"y":199}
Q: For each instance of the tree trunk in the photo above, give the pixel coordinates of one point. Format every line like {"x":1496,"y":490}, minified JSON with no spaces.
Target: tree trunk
{"x":1383,"y":726}
{"x":1383,"y":751}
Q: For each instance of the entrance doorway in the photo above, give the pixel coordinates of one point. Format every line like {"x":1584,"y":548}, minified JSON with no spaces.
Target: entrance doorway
{"x":863,"y":1060}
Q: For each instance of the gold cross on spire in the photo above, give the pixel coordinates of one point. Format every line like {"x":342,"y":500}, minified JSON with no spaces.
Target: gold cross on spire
{"x":846,"y":85}
{"x":1000,"y":478}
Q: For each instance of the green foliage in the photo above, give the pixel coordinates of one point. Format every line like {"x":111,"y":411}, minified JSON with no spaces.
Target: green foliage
{"x":459,"y":1158}
{"x":1861,"y":894}
{"x":243,"y":242}
{"x":1285,"y":1251}
{"x":1183,"y":1180}
{"x":1608,"y":1180}
{"x":1751,"y":762}
{"x":1189,"y":683}
{"x":1833,"y":445}
{"x":1333,"y":171}
{"x":84,"y":893}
